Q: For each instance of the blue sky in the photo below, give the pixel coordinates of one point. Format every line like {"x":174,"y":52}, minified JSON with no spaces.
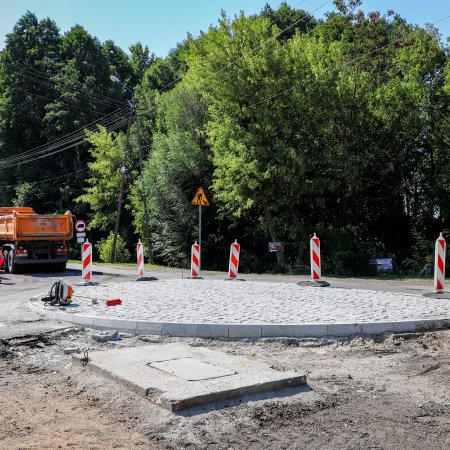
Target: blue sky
{"x":160,"y":24}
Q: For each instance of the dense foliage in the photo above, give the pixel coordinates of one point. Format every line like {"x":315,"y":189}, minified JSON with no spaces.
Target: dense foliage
{"x":291,"y":124}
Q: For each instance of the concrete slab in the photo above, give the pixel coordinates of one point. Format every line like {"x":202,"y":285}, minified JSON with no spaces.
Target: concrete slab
{"x":132,"y":368}
{"x":192,"y":369}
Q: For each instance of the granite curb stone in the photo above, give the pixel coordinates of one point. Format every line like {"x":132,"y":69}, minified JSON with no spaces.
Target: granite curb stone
{"x":244,"y":330}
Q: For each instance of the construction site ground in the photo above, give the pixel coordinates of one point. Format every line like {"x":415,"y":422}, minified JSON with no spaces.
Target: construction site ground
{"x":390,"y":392}
{"x":362,"y":395}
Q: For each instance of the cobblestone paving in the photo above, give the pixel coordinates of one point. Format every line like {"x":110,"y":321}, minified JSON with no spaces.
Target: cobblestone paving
{"x":206,"y":301}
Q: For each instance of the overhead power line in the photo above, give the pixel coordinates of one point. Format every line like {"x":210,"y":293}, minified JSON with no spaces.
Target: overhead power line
{"x":79,"y":92}
{"x":79,"y":132}
{"x":56,"y":150}
{"x":82,"y":108}
{"x":43,"y":181}
{"x":42,"y":74}
{"x":77,"y":141}
{"x":232,"y":63}
{"x":50,"y":81}
{"x":296,"y":86}
{"x":112,"y":122}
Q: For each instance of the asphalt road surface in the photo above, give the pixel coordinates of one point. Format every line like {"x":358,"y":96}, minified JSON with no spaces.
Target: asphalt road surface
{"x":16,"y":319}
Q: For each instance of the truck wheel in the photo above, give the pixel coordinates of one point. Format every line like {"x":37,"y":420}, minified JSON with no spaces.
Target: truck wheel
{"x":12,"y":265}
{"x":5,"y":262}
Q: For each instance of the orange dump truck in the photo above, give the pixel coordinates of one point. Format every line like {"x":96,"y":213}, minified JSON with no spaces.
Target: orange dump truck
{"x":38,"y":239}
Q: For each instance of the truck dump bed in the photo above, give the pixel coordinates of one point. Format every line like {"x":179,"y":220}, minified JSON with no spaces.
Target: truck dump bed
{"x":23,"y":224}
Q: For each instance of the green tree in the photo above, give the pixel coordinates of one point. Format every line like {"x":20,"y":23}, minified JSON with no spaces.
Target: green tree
{"x":140,"y":61}
{"x":164,"y":73}
{"x":289,"y":19}
{"x":102,"y":190}
{"x":250,"y":141}
{"x":31,"y":48}
{"x":104,"y":248}
{"x":179,"y":164}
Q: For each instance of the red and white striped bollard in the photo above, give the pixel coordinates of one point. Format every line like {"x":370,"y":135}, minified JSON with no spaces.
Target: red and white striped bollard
{"x":315,"y":258}
{"x":140,"y":258}
{"x":439,"y":264}
{"x":86,"y":261}
{"x":234,"y":260}
{"x":195,"y":260}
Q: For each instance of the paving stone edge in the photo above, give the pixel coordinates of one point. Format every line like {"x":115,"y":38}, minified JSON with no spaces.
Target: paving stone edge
{"x":235,"y":330}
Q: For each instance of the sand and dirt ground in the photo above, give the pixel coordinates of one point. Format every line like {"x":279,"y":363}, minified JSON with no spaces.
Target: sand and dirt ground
{"x":390,"y":393}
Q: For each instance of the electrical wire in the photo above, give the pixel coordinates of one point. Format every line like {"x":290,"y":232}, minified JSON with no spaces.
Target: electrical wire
{"x":74,"y":134}
{"x":41,"y":74}
{"x":43,"y":181}
{"x":241,"y":69}
{"x":49,"y":83}
{"x":255,"y":48}
{"x":111,"y":124}
{"x":56,"y":100}
{"x":120,"y":124}
{"x":57,"y":149}
{"x":296,"y":86}
{"x":103,"y":119}
{"x":78,"y":91}
{"x":91,"y":98}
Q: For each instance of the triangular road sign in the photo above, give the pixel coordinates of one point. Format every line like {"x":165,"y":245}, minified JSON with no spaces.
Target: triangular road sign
{"x":200,"y":198}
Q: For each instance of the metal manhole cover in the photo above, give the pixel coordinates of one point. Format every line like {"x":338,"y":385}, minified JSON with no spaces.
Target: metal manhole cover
{"x":191,"y":369}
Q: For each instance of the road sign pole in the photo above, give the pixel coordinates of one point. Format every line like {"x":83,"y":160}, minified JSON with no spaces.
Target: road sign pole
{"x":200,"y":231}
{"x":200,"y":200}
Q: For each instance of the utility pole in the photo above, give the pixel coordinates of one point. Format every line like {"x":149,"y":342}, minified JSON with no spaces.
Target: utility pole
{"x":144,"y":195}
{"x":123,"y":169}
{"x":133,"y":110}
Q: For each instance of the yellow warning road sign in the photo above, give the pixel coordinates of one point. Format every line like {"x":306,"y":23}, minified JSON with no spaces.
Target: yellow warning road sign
{"x":200,"y":198}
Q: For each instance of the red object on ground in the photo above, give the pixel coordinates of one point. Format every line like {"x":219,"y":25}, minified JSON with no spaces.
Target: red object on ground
{"x":113,"y":302}
{"x":2,"y":260}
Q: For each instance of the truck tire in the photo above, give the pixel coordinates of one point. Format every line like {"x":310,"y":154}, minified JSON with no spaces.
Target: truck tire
{"x":12,"y":266}
{"x":5,"y":262}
